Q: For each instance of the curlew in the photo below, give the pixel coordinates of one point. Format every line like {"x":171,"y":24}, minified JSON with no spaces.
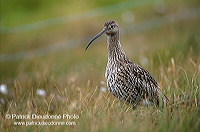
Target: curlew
{"x":126,"y":80}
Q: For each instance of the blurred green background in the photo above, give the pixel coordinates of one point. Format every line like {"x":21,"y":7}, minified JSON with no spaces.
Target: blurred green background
{"x":56,"y":32}
{"x":42,"y":45}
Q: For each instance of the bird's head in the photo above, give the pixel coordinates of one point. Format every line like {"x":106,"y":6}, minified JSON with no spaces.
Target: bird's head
{"x":110,"y":28}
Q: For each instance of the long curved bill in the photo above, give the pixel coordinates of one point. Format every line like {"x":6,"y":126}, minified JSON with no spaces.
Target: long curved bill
{"x":95,"y":37}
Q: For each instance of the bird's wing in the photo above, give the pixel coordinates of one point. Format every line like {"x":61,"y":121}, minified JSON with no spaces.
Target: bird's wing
{"x":140,"y":80}
{"x":143,"y":80}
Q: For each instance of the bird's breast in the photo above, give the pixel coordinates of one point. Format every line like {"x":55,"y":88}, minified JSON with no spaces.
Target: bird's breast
{"x":112,"y":72}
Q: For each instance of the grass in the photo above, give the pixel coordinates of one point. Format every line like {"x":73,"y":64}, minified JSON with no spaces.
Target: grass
{"x":100,"y":111}
{"x":72,"y":79}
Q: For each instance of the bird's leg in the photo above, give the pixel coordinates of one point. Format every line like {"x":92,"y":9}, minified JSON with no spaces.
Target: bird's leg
{"x":134,"y":107}
{"x":136,"y":103}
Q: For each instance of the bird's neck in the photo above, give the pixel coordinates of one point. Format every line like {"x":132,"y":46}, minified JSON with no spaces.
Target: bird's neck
{"x":115,"y":51}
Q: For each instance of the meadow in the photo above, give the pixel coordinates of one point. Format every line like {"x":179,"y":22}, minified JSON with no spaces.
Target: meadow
{"x":47,"y":72}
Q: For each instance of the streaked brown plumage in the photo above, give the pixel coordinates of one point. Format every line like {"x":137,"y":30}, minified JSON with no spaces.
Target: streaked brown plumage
{"x":126,"y":80}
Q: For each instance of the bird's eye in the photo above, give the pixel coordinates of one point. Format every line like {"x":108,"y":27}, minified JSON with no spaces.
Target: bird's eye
{"x":111,"y":26}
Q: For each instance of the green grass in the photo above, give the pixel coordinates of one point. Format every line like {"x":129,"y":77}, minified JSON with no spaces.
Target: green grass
{"x":101,"y":111}
{"x":71,"y":78}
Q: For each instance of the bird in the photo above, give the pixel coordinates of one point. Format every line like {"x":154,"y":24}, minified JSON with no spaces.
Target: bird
{"x":126,"y":80}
